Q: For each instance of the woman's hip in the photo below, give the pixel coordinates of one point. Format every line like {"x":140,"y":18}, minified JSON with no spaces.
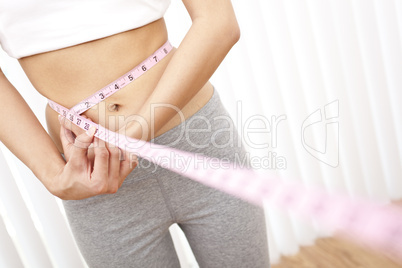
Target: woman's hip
{"x":210,"y":132}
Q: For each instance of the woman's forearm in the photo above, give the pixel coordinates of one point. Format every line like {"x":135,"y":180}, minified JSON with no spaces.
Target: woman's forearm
{"x":206,"y":44}
{"x":23,"y":134}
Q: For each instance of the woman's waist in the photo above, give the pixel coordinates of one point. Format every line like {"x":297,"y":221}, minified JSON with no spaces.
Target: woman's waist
{"x":122,"y":97}
{"x":71,"y":74}
{"x":122,"y":108}
{"x":113,"y":104}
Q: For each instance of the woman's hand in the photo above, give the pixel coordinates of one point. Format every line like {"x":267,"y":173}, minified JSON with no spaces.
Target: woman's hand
{"x":86,"y":174}
{"x":81,"y":176}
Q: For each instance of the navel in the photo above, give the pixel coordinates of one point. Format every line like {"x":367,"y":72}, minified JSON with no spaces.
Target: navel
{"x":113,"y":107}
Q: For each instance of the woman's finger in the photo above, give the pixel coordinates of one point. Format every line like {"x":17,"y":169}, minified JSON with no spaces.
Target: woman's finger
{"x":67,"y":140}
{"x":82,"y":142}
{"x":114,"y":168}
{"x":100,"y":172}
{"x":127,"y":164}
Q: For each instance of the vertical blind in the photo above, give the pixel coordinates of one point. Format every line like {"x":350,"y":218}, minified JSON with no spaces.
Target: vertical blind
{"x":315,"y":91}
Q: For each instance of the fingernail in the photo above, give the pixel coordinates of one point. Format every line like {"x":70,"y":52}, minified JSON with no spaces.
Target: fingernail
{"x":59,"y":117}
{"x":91,"y":131}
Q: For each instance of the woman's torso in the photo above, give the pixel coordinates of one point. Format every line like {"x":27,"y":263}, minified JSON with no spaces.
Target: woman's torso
{"x":69,"y":75}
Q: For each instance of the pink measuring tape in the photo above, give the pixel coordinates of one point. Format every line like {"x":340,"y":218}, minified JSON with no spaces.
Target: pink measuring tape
{"x":379,"y":226}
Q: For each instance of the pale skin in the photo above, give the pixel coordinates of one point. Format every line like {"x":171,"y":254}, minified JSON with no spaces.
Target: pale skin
{"x":69,"y":75}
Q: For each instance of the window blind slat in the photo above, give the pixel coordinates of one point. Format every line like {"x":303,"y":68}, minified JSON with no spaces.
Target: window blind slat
{"x":378,"y":98}
{"x":8,"y":253}
{"x":27,"y":240}
{"x":328,"y":49}
{"x":356,"y":87}
{"x":391,"y":44}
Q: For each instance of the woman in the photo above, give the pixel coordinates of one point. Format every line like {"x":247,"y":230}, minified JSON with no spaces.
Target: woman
{"x":120,"y":216}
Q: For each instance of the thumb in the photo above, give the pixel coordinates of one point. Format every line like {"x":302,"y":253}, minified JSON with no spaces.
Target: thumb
{"x":82,"y":142}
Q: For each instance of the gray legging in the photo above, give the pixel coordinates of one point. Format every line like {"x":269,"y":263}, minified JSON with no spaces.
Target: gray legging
{"x":131,"y":228}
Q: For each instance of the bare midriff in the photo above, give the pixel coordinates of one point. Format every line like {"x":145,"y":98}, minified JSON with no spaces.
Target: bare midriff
{"x":69,"y":75}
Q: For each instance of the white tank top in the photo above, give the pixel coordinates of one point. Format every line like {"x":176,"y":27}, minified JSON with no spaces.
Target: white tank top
{"x":29,"y":27}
